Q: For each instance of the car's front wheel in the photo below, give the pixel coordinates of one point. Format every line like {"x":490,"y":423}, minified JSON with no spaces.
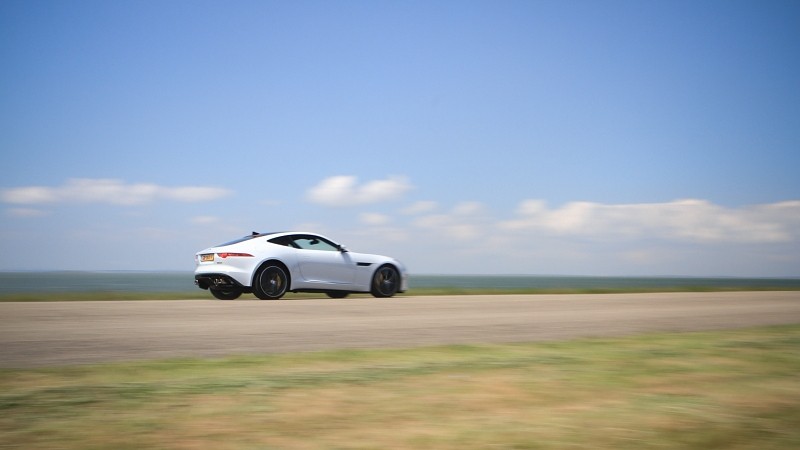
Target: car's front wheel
{"x":226,"y":294}
{"x":385,"y":282}
{"x":271,"y":283}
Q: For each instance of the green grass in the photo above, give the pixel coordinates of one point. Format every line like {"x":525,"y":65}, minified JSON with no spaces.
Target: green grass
{"x":736,"y":389}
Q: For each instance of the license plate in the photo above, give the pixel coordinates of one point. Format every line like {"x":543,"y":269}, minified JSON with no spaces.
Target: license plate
{"x":207,"y":257}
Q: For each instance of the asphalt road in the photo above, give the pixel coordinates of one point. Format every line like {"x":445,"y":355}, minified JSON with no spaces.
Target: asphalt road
{"x":64,"y":333}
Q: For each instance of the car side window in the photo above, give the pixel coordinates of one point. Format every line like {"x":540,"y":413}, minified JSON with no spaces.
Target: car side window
{"x":315,"y":243}
{"x":283,"y":240}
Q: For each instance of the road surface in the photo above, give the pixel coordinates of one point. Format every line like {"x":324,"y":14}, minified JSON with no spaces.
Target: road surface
{"x":65,"y":333}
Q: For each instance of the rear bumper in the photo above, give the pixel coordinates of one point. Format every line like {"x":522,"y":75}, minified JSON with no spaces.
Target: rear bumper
{"x":213,"y":280}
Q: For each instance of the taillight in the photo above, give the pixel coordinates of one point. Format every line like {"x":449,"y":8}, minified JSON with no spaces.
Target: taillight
{"x":230,"y":255}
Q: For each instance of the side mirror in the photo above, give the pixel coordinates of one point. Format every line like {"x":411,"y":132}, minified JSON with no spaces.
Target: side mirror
{"x":342,"y":249}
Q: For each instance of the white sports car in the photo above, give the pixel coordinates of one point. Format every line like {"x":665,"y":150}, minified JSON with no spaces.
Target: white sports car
{"x":270,"y":264}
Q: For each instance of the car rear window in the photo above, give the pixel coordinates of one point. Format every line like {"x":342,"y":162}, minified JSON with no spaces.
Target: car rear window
{"x":245,"y":238}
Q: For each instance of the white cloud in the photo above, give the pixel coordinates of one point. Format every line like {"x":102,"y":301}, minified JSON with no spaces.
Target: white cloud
{"x":466,"y":221}
{"x":683,"y":220}
{"x":468,"y":208}
{"x":420,"y":207}
{"x":110,"y":191}
{"x":682,"y":237}
{"x":204,"y":220}
{"x":28,"y":195}
{"x":344,"y":190}
{"x":374,"y":219}
{"x":192,"y":193}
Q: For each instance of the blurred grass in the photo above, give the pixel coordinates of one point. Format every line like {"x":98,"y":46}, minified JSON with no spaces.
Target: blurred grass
{"x":205,"y":295}
{"x":736,"y":389}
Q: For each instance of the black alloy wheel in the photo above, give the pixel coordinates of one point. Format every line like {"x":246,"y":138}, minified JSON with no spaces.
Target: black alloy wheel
{"x":385,"y":282}
{"x":271,"y":283}
{"x":226,"y":294}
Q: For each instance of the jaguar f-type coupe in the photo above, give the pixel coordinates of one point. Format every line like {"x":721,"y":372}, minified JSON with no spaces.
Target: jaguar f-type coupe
{"x":271,"y":264}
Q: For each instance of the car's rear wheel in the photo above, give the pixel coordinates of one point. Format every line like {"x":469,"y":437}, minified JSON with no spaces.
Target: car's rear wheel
{"x":385,"y":282}
{"x":226,"y":294}
{"x":271,"y":282}
{"x":337,"y":294}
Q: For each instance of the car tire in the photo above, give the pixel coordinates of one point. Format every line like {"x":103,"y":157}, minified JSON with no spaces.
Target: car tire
{"x":226,"y":294}
{"x":337,"y":294}
{"x":271,"y":282}
{"x":385,"y":282}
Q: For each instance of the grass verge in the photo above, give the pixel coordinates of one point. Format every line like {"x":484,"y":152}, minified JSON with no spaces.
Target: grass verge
{"x":735,"y":389}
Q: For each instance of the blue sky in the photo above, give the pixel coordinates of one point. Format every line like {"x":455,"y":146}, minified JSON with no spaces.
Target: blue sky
{"x":533,"y":137}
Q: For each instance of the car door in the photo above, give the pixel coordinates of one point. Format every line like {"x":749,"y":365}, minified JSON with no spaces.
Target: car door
{"x":321,"y":261}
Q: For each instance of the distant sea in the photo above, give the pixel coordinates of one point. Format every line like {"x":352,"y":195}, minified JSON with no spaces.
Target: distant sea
{"x":44,"y":282}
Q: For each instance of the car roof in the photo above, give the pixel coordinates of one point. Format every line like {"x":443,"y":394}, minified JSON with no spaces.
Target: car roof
{"x":256,"y":234}
{"x":283,"y":233}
